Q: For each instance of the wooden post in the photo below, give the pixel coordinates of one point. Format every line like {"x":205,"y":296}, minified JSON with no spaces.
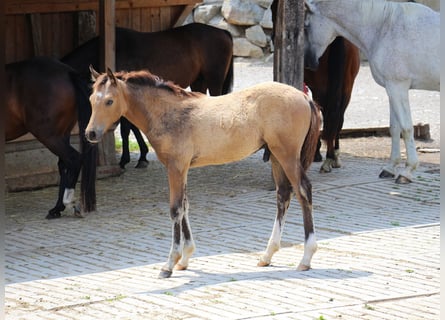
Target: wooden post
{"x":107,"y":34}
{"x":107,"y":150}
{"x":289,"y":43}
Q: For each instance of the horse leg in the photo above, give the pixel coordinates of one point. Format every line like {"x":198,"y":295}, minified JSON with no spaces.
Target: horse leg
{"x":328,"y":163}
{"x":318,"y":157}
{"x":303,"y":191}
{"x":400,"y":124}
{"x":189,"y":244}
{"x":59,"y":207}
{"x":182,"y":245}
{"x":284,"y":190}
{"x":125,"y":132}
{"x":304,"y":196}
{"x":199,"y":85}
{"x":69,"y":164}
{"x":142,"y":162}
{"x":337,"y":161}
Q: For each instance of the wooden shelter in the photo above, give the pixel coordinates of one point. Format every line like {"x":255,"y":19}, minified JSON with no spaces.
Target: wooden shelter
{"x":54,"y":28}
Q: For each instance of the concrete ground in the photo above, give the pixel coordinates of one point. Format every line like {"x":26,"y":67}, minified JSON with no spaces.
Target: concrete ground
{"x":378,"y":256}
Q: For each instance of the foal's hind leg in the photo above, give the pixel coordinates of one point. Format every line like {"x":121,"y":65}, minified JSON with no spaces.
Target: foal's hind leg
{"x":284,"y":190}
{"x":303,"y":190}
{"x":304,"y":196}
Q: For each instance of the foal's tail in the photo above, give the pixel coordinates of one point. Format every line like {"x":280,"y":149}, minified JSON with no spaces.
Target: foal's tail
{"x":88,"y":150}
{"x":310,"y":142}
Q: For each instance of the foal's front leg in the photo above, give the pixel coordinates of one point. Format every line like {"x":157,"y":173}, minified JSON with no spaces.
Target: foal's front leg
{"x":183,"y":245}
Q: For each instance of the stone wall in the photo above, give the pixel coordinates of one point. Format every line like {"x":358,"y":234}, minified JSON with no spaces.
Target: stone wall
{"x":249,"y":22}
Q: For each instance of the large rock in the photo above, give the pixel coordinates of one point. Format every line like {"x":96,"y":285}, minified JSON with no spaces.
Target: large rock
{"x":266,"y":22}
{"x":244,"y":48}
{"x":242,"y":12}
{"x":264,"y":3}
{"x":206,"y":12}
{"x":219,"y":22}
{"x":256,"y":35}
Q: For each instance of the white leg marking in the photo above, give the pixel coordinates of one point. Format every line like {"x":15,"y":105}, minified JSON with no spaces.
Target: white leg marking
{"x":272,"y":246}
{"x":310,"y":246}
{"x":68,"y":196}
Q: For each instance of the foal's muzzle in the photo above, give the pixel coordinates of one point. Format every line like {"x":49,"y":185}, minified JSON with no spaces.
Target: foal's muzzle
{"x":94,"y":136}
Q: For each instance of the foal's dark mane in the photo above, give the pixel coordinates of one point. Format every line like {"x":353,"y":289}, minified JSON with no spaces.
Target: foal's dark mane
{"x":145,"y":78}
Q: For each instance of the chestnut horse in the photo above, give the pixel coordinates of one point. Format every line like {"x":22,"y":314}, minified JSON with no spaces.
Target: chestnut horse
{"x":189,"y":129}
{"x":194,"y":55}
{"x":47,"y":98}
{"x":331,"y":85}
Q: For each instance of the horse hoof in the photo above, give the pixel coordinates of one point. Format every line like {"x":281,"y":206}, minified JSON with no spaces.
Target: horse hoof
{"x":180,"y":267}
{"x":325,"y":169}
{"x":165,"y":274}
{"x":53,"y":215}
{"x":142,"y":164}
{"x":303,"y":267}
{"x":386,"y":174}
{"x":403,"y":180}
{"x":263,"y":263}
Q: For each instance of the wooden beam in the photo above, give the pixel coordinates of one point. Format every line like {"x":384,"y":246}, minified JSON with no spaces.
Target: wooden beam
{"x":289,"y":43}
{"x":48,"y":6}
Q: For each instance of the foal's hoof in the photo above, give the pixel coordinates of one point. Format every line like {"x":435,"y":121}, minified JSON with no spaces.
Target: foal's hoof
{"x":180,"y":267}
{"x":264,"y":262}
{"x":165,"y":274}
{"x":303,"y":267}
{"x":403,"y":180}
{"x":386,"y":174}
{"x":142,"y":164}
{"x":53,"y":215}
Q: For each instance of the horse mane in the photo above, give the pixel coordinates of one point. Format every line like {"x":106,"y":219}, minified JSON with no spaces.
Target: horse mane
{"x":145,"y":78}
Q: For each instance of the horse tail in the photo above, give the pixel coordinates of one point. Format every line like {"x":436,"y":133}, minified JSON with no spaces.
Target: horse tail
{"x":88,"y":150}
{"x":228,"y":81}
{"x":310,"y":142}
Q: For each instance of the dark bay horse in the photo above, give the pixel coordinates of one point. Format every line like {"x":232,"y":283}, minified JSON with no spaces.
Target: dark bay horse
{"x":331,"y":85}
{"x":195,"y":55}
{"x":191,"y":129}
{"x":47,"y":98}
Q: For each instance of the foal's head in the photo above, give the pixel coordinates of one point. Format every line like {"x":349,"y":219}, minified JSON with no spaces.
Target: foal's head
{"x":107,"y":104}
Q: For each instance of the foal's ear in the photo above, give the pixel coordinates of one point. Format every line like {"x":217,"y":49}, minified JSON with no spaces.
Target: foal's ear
{"x":111,"y":77}
{"x":94,"y":73}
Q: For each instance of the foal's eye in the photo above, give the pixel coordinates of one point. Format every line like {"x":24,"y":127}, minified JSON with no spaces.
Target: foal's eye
{"x":109,"y":102}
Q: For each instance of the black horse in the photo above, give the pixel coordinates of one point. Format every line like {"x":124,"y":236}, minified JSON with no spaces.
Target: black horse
{"x":195,"y":55}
